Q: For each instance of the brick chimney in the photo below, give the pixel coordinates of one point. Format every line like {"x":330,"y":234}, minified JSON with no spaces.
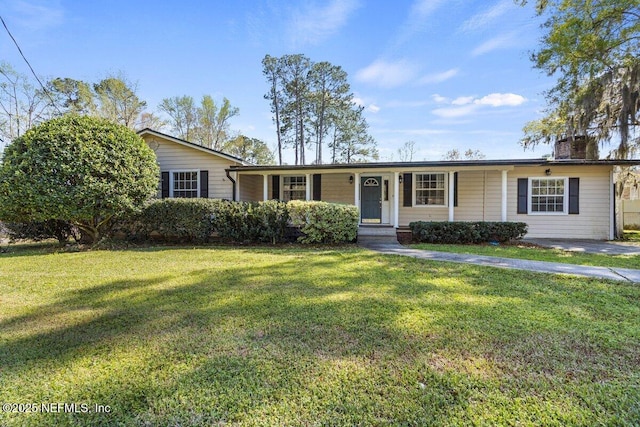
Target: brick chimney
{"x":577,"y":147}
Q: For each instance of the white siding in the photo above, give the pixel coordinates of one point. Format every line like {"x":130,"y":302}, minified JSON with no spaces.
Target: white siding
{"x":480,"y":199}
{"x":251,"y":187}
{"x":173,"y":156}
{"x":593,"y":221}
{"x":336,"y":188}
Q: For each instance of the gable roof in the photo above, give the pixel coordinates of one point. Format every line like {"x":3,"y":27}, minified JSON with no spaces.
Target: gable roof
{"x":148,"y":131}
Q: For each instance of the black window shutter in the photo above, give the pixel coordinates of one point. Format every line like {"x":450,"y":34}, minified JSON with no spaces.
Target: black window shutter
{"x":164,"y":185}
{"x":275,"y":187}
{"x":574,"y":195}
{"x":455,"y":189}
{"x":204,"y":184}
{"x":523,"y":197}
{"x":317,"y":186}
{"x":407,"y":180}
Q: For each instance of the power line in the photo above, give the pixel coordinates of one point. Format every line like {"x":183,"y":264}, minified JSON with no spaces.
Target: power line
{"x":44,"y":89}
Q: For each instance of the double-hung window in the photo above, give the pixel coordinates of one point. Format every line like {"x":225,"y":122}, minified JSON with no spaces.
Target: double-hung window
{"x":294,"y":188}
{"x":548,"y":195}
{"x":185,"y":184}
{"x":430,"y":189}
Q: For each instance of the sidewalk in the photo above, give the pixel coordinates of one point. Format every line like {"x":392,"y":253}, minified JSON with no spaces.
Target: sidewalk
{"x":589,"y":246}
{"x":391,"y":247}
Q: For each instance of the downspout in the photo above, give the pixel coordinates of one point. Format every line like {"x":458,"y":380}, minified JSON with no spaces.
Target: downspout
{"x":233,"y":184}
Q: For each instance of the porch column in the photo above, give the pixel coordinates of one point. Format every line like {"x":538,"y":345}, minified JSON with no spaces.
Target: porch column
{"x":451,"y":194}
{"x":265,"y":187}
{"x":307,"y":181}
{"x":396,"y":199}
{"x":356,"y":187}
{"x":503,"y":213}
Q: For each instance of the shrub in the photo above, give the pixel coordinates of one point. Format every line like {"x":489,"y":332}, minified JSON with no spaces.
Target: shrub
{"x":195,"y":220}
{"x":322,"y":222}
{"x":84,"y":170}
{"x":466,"y":232}
{"x":41,"y":230}
{"x":181,"y":219}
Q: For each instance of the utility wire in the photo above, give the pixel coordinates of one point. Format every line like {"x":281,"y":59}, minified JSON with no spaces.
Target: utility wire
{"x":44,"y":89}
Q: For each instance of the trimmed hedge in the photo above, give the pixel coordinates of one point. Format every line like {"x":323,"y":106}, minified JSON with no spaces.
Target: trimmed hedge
{"x":322,"y":222}
{"x":197,"y":220}
{"x":467,"y":232}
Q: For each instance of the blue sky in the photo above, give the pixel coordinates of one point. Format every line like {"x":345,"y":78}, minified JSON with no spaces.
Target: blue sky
{"x":444,"y":74}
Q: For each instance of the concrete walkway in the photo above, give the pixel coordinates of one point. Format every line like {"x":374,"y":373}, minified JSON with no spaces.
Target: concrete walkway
{"x":589,"y":246}
{"x":392,"y":247}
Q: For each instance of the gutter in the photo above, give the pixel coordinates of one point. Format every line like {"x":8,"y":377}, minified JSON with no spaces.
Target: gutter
{"x":233,"y":184}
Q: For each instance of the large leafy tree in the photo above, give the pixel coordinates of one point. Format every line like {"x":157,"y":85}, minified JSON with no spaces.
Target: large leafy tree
{"x":313,"y":107}
{"x":81,"y":169}
{"x":351,"y":142}
{"x":206,"y":124}
{"x":183,"y":115}
{"x":593,"y":48}
{"x":73,"y":96}
{"x":113,"y":98}
{"x":213,"y":122}
{"x":330,"y":97}
{"x":118,"y":101}
{"x":252,"y":150}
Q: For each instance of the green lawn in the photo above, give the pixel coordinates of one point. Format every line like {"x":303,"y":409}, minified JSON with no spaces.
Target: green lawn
{"x":302,"y":336}
{"x":536,"y":253}
{"x":632,"y":235}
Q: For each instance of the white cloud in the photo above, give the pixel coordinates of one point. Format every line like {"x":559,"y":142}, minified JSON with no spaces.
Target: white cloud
{"x":455,"y":112}
{"x":503,"y":41}
{"x":406,"y":104}
{"x":387,"y":74}
{"x":317,"y":23}
{"x":484,"y":19}
{"x":463,"y":100}
{"x":439,"y":77}
{"x":358,"y":101}
{"x":439,"y":98}
{"x":501,"y":100}
{"x":467,"y":105}
{"x":369,"y":106}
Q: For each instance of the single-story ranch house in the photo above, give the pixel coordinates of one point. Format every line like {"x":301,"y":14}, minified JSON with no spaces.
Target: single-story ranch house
{"x":561,"y":198}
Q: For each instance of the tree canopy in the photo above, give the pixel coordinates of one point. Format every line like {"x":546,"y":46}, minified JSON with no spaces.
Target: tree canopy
{"x":593,"y":48}
{"x":313,"y":107}
{"x":81,"y":169}
{"x":206,"y":124}
{"x":252,"y":150}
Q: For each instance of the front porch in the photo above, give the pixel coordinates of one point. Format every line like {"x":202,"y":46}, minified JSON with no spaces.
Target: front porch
{"x":391,"y":197}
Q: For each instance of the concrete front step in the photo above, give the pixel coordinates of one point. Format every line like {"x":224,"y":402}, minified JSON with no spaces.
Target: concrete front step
{"x":379,"y":230}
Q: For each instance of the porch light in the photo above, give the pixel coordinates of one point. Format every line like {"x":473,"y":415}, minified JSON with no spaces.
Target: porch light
{"x":547,"y":172}
{"x":350,"y":179}
{"x":400,"y":178}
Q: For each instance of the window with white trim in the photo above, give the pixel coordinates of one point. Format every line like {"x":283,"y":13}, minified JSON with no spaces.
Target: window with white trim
{"x":430,"y":189}
{"x":185,"y":184}
{"x":548,"y":195}
{"x":294,"y":188}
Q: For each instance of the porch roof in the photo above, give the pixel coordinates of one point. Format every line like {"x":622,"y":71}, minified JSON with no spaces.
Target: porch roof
{"x":447,"y":164}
